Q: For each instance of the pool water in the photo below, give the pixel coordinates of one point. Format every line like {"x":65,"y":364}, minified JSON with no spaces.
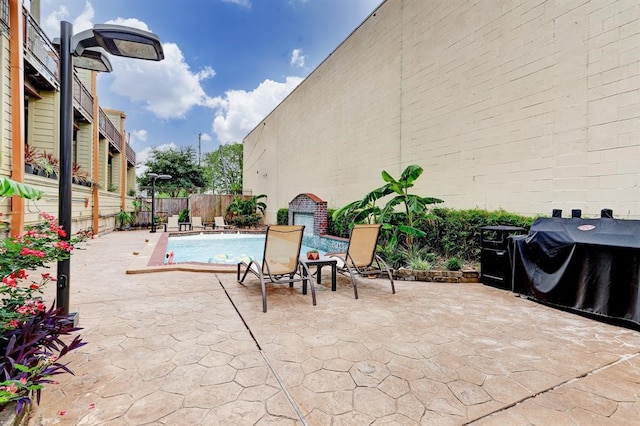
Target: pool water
{"x":218,"y":248}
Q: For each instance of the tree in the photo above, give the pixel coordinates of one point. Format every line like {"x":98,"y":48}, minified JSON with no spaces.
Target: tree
{"x":224,"y":169}
{"x":180,"y":164}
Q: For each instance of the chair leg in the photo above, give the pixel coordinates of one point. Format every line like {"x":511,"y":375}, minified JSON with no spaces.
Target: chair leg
{"x":386,"y":268}
{"x":306,"y":277}
{"x":264,"y":294}
{"x":313,"y":292}
{"x":353,"y":281}
{"x":245,"y":272}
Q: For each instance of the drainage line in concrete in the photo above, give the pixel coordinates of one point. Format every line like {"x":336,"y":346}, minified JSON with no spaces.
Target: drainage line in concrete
{"x":284,"y":389}
{"x":293,"y":403}
{"x":239,"y":314}
{"x":559,"y":385}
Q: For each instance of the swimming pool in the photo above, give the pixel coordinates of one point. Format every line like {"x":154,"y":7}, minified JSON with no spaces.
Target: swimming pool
{"x":227,"y":249}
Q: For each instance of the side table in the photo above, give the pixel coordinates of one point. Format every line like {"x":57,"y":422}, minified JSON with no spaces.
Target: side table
{"x":318,"y":263}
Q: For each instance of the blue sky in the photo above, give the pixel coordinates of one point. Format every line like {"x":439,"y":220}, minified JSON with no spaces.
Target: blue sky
{"x":227,"y":64}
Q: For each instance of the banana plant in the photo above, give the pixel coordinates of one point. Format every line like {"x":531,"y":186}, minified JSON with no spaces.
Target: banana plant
{"x":9,"y":188}
{"x":364,"y":210}
{"x":415,"y":206}
{"x":414,"y":213}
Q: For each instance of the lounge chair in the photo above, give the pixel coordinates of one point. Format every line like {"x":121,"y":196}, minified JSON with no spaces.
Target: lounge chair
{"x":219,"y":222}
{"x":172,"y":222}
{"x":361,"y":258}
{"x":280,"y":263}
{"x":196,"y":222}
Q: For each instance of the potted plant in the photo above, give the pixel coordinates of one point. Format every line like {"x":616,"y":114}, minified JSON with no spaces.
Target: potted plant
{"x":313,"y":255}
{"x":124,"y":219}
{"x":49,"y":164}
{"x":30,"y":159}
{"x":80,"y":177}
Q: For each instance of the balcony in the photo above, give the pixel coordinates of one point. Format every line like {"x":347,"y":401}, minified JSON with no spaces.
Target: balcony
{"x":131,"y":156}
{"x":40,"y":58}
{"x":82,"y":101}
{"x":4,"y":15}
{"x":109,"y":131}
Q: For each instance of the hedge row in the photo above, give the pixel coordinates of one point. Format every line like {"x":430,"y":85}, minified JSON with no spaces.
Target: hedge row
{"x":452,"y":233}
{"x":456,"y":233}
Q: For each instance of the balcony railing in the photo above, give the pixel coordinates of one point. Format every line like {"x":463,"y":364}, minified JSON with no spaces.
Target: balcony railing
{"x":110,"y":132}
{"x":40,"y":56}
{"x":4,"y":14}
{"x":131,"y":155}
{"x":82,"y":99}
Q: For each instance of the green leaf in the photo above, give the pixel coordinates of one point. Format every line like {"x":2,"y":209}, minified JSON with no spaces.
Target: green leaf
{"x":410,"y":174}
{"x":432,"y":200}
{"x":387,"y":177}
{"x":409,"y":230}
{"x":9,"y":188}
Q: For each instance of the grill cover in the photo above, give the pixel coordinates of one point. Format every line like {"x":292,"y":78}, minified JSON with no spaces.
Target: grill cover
{"x":590,"y":265}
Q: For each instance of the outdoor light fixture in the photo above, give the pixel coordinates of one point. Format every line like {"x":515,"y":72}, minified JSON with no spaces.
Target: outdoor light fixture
{"x":154,"y":177}
{"x":119,"y":41}
{"x":93,"y":58}
{"x":84,"y":50}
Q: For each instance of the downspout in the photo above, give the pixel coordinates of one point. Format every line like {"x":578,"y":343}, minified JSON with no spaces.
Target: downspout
{"x":16,"y":65}
{"x":123,"y":165}
{"x":95,"y":222}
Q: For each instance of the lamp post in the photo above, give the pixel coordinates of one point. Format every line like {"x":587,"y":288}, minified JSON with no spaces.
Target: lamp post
{"x":154,"y":177}
{"x":86,"y":50}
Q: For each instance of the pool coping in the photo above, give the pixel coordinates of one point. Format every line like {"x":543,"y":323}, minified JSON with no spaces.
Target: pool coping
{"x":151,"y":257}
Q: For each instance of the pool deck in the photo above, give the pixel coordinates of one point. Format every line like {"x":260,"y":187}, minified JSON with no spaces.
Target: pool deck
{"x":185,"y":348}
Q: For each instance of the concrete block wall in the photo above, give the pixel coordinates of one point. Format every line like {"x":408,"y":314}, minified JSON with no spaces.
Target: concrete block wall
{"x":526,"y":106}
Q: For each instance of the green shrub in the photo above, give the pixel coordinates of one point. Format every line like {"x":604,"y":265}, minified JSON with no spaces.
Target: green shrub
{"x":453,"y":264}
{"x":418,"y":264}
{"x":247,"y":220}
{"x":394,"y":258}
{"x":456,"y":233}
{"x":282,"y":217}
{"x":340,"y":227}
{"x":183,"y":216}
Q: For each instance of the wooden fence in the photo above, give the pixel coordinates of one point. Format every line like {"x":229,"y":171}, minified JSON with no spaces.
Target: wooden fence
{"x":207,"y":206}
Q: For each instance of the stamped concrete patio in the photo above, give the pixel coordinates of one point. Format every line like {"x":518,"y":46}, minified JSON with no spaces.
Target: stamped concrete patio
{"x":193,"y":348}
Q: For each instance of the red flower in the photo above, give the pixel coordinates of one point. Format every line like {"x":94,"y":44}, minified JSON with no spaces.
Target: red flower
{"x":9,"y":281}
{"x":34,"y":286}
{"x":29,"y":252}
{"x":21,"y":274}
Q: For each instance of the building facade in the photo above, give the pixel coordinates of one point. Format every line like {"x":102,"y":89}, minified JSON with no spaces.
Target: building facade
{"x":103,"y":162}
{"x":526,"y":106}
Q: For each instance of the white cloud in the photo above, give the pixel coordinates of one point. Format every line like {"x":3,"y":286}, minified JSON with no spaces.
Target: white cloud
{"x":243,"y":3}
{"x":239,"y":111}
{"x":138,"y":135}
{"x":297,"y":58}
{"x":143,"y":155}
{"x":168,"y":88}
{"x":205,"y":137}
{"x":51,"y":23}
